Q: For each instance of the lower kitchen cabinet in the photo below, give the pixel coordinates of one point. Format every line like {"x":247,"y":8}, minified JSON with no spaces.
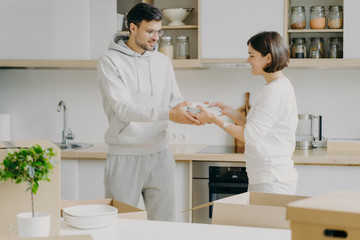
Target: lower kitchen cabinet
{"x":315,"y":180}
{"x":83,"y":180}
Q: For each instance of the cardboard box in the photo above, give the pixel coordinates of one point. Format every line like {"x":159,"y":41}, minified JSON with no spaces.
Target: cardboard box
{"x":126,"y":211}
{"x":252,"y":209}
{"x":15,"y":199}
{"x":334,"y":215}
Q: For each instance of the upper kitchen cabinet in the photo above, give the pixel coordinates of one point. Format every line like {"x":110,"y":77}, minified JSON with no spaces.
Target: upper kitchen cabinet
{"x":57,"y":33}
{"x":351,"y":29}
{"x":227,"y":25}
{"x":190,"y":29}
{"x":322,"y":33}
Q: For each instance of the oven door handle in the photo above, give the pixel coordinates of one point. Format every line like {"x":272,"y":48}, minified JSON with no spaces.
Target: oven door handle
{"x":227,"y":184}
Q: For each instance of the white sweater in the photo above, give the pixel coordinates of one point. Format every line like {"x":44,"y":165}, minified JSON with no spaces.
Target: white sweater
{"x":137,"y":92}
{"x":270,"y":134}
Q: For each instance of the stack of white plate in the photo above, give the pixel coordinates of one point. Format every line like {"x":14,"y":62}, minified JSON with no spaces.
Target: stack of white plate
{"x":90,"y":216}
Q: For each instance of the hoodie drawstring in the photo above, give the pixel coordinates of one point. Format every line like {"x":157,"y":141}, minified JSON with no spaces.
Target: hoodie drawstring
{"x":151,"y":82}
{"x":137,"y":74}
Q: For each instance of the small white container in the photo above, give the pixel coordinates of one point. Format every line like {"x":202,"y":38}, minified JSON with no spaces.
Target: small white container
{"x":166,"y":46}
{"x":38,"y":226}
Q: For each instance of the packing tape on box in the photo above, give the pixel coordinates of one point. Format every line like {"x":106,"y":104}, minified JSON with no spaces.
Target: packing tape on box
{"x":4,"y":127}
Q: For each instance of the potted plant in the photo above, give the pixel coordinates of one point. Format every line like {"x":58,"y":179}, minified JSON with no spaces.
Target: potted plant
{"x":31,"y":165}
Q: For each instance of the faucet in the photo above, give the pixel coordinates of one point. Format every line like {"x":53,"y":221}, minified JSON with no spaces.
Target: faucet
{"x":66,"y":133}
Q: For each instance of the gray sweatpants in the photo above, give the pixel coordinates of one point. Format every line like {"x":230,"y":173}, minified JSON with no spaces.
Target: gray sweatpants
{"x":153,"y":176}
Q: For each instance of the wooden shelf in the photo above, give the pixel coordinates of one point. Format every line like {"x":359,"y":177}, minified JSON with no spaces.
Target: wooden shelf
{"x":315,"y":30}
{"x":186,"y":63}
{"x":185,"y":27}
{"x":79,"y":64}
{"x":76,"y":64}
{"x":325,"y":62}
{"x":294,"y":63}
{"x":180,"y":27}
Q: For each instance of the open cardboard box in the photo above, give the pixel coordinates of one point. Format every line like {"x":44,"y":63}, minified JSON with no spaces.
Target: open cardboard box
{"x":252,"y":209}
{"x":335,"y":215}
{"x":125,"y":210}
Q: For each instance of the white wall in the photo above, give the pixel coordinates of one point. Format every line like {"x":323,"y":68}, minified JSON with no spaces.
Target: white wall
{"x":31,"y":98}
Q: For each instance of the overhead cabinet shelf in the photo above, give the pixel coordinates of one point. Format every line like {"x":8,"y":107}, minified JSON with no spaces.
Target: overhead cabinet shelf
{"x":80,"y":64}
{"x":77,"y":64}
{"x":315,"y":30}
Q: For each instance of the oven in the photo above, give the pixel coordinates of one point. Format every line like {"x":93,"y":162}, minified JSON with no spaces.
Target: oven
{"x":213,"y":181}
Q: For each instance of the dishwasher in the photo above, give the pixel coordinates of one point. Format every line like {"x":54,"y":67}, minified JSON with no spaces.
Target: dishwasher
{"x":213,"y":181}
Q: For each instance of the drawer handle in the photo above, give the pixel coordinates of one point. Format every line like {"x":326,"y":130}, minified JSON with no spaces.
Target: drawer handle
{"x":335,"y":233}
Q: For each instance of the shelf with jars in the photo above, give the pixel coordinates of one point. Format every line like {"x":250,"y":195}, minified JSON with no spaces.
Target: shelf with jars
{"x":180,"y":41}
{"x":314,"y":31}
{"x":181,"y":25}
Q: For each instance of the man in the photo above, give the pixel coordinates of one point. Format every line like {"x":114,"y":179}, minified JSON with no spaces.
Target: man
{"x":140,"y":95}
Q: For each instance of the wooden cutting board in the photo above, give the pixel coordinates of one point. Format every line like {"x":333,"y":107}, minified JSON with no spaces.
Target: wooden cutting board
{"x":244,"y":110}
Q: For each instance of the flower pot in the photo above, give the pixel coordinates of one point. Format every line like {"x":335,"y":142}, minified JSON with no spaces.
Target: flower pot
{"x":38,"y":226}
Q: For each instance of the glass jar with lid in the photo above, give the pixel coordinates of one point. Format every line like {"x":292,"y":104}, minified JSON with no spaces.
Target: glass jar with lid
{"x":182,"y":47}
{"x":297,"y":17}
{"x":166,"y":46}
{"x":317,"y":47}
{"x":336,"y":47}
{"x":317,"y":17}
{"x":335,"y":17}
{"x":298,"y":48}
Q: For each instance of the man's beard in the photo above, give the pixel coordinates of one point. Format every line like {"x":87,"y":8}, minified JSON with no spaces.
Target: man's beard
{"x":144,"y":46}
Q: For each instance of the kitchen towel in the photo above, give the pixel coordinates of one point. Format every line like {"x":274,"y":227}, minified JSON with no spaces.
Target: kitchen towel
{"x":4,"y":127}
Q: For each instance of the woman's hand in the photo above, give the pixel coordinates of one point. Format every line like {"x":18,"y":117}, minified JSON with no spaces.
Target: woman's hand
{"x":205,"y":115}
{"x":226,"y":110}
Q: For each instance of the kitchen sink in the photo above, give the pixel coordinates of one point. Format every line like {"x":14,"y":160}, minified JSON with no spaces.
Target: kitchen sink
{"x":71,"y":146}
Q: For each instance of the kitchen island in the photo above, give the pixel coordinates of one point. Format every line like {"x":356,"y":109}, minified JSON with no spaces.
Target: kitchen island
{"x":159,"y":230}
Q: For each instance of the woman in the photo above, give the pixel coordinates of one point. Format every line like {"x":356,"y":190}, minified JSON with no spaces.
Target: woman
{"x":269,"y":129}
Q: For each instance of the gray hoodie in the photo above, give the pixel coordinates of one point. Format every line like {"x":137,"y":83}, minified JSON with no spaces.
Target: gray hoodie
{"x":137,"y":91}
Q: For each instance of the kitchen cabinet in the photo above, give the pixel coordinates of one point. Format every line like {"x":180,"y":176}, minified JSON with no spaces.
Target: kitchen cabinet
{"x":191,"y":28}
{"x":351,"y":29}
{"x":227,"y":25}
{"x":315,"y":180}
{"x":92,"y":37}
{"x":54,"y":30}
{"x":349,"y":33}
{"x":84,"y":180}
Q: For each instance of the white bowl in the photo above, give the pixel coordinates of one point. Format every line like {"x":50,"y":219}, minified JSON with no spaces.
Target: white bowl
{"x":177,"y":15}
{"x":90,"y":222}
{"x":90,"y":216}
{"x":90,"y":210}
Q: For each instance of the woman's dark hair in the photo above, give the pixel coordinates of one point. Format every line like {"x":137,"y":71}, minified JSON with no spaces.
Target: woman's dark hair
{"x":273,"y":43}
{"x":143,"y":11}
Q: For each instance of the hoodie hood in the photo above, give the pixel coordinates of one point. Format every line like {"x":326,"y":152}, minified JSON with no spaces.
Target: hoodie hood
{"x":118,"y":43}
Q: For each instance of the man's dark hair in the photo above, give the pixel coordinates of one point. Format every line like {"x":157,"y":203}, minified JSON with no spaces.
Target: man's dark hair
{"x":273,"y":43}
{"x":143,"y":11}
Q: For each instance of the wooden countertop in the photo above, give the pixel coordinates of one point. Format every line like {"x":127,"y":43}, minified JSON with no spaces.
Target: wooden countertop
{"x":188,"y":152}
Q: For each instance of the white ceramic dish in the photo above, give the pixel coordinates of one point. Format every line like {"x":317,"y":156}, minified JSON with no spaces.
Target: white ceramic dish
{"x":176,"y":15}
{"x":194,"y":109}
{"x":90,"y":210}
{"x":90,"y":222}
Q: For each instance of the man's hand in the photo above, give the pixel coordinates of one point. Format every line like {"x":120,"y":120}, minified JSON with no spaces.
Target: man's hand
{"x":179,"y":115}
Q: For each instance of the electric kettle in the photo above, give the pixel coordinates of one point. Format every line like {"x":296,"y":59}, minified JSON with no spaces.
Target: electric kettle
{"x":305,"y":136}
